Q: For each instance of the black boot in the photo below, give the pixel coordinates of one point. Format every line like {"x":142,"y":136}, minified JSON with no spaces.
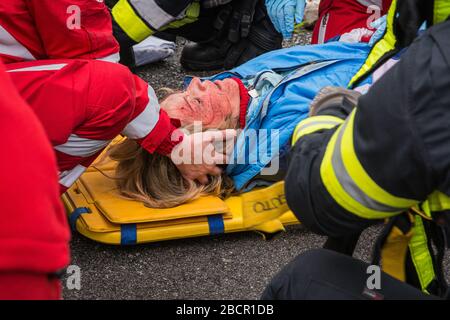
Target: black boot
{"x":262,"y":38}
{"x":204,"y":56}
{"x":222,"y":53}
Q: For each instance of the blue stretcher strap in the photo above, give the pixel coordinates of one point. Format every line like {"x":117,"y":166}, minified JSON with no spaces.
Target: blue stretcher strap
{"x":75,"y":215}
{"x":128,"y":234}
{"x":216,"y":225}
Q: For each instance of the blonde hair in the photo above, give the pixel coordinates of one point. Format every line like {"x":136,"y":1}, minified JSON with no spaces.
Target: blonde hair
{"x":155,"y":180}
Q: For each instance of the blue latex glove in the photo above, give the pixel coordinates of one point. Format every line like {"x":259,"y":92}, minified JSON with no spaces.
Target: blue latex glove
{"x":380,"y":25}
{"x":284,"y":14}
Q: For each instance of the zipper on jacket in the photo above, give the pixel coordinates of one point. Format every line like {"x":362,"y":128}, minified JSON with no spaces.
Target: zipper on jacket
{"x":252,"y":88}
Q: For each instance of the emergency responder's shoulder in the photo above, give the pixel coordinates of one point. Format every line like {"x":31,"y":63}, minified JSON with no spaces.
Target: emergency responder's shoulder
{"x":431,"y":114}
{"x":408,"y":107}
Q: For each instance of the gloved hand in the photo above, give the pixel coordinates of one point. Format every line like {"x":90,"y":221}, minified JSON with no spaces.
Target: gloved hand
{"x":239,"y":14}
{"x":380,"y":25}
{"x":334,"y":101}
{"x":284,"y":14}
{"x":151,"y":50}
{"x":198,"y":154}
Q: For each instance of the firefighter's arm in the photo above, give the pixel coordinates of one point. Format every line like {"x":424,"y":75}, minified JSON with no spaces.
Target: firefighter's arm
{"x":75,"y":29}
{"x":327,"y":187}
{"x":136,"y":20}
{"x":306,"y":192}
{"x":387,"y":156}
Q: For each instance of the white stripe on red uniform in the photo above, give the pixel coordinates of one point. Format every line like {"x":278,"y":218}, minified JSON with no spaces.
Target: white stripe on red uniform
{"x":81,"y":147}
{"x":68,"y":177}
{"x":115,"y":57}
{"x":46,"y":67}
{"x":11,"y":47}
{"x":144,"y":123}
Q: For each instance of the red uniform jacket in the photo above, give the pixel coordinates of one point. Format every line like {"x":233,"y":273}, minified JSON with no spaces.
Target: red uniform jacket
{"x":56,"y":29}
{"x":33,"y":229}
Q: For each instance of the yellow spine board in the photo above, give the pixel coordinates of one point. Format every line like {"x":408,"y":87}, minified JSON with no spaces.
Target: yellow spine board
{"x":264,"y":210}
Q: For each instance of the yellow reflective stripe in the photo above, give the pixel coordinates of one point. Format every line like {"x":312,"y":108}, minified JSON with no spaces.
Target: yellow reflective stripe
{"x":420,"y":254}
{"x":314,"y":124}
{"x":130,"y":22}
{"x":361,"y":177}
{"x":192,"y":13}
{"x":384,"y":45}
{"x":336,"y":190}
{"x":439,"y":201}
{"x":441,"y":11}
{"x":350,"y":185}
{"x":312,"y":128}
{"x":436,"y":202}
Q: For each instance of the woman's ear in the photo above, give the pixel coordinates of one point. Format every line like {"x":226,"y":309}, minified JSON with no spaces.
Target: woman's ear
{"x":173,"y":104}
{"x":163,"y":93}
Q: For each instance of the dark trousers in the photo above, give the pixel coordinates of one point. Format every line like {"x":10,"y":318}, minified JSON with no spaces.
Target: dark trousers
{"x":323,"y":274}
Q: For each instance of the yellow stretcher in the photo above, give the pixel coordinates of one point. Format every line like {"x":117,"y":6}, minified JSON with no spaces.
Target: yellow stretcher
{"x":97,"y":211}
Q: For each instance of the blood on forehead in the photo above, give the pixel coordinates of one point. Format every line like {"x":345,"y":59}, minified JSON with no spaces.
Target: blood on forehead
{"x":209,"y":104}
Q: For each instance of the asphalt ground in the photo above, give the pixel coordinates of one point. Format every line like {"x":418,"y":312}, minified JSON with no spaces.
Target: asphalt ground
{"x":229,"y":266}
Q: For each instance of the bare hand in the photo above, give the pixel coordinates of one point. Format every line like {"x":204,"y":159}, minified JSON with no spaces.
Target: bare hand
{"x":198,"y":155}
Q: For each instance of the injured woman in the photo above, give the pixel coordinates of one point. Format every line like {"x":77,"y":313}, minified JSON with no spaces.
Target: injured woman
{"x":270,"y":94}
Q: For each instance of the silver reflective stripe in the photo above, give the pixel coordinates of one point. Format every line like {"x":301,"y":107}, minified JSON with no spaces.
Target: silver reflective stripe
{"x":144,"y":123}
{"x":347,"y":182}
{"x":47,"y":67}
{"x":152,"y":13}
{"x":115,"y":57}
{"x":81,"y":147}
{"x":68,"y":177}
{"x":322,"y":29}
{"x":10,"y":46}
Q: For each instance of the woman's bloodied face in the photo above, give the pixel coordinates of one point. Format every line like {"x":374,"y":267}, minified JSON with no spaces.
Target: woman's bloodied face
{"x":215,"y":104}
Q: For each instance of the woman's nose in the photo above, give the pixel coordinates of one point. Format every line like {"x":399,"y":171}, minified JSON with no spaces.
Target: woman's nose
{"x":196,"y":83}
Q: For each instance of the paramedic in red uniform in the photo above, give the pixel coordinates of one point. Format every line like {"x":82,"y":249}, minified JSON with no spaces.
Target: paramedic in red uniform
{"x":33,"y":233}
{"x":83,"y":104}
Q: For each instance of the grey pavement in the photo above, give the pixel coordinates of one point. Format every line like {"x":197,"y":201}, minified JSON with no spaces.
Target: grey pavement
{"x":229,"y":266}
